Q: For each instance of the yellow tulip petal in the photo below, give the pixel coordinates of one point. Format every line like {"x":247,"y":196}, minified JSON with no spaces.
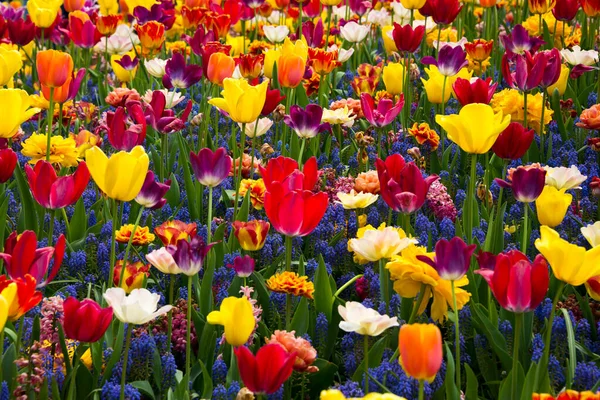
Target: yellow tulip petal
{"x":96,"y":162}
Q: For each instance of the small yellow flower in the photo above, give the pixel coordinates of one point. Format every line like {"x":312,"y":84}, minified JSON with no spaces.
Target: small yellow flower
{"x":142,"y":235}
{"x":510,"y":101}
{"x":447,"y":35}
{"x":257,"y":192}
{"x":63,"y":151}
{"x":291,"y":283}
{"x":362,"y":220}
{"x":510,"y":229}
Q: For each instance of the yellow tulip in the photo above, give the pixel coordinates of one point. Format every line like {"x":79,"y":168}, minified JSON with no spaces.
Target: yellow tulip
{"x":122,"y":175}
{"x":271,"y":57}
{"x":412,"y":4}
{"x":240,"y":100}
{"x":475,"y":128}
{"x":108,"y":7}
{"x":393,"y":78}
{"x":434,"y":85}
{"x":7,"y":298}
{"x":388,"y":43}
{"x":10,"y":64}
{"x":43,"y":12}
{"x":15,"y":105}
{"x":237,"y":318}
{"x":561,"y":83}
{"x":570,"y":263}
{"x":237,"y":45}
{"x":334,"y":394}
{"x":297,"y":48}
{"x":552,"y":206}
{"x":147,"y":4}
{"x":122,"y":74}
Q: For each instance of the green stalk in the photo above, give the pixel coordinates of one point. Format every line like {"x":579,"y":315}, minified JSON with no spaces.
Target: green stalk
{"x":113,"y":241}
{"x":515,"y":364}
{"x":366,"y":355}
{"x":209,"y":219}
{"x":301,"y":152}
{"x":49,"y":118}
{"x":456,"y":334}
{"x":542,"y":147}
{"x":188,"y":334}
{"x":288,"y":267}
{"x":421,"y":389}
{"x":238,"y":178}
{"x":129,"y":243}
{"x":170,"y":314}
{"x":384,"y":283}
{"x":125,"y":359}
{"x":417,"y":304}
{"x":525,"y":110}
{"x":470,"y":200}
{"x":525,"y":237}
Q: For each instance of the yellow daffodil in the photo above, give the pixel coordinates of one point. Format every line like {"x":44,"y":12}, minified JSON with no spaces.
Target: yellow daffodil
{"x":240,"y":100}
{"x":475,"y":128}
{"x":434,"y":85}
{"x":570,"y":263}
{"x":7,"y":298}
{"x":43,"y":12}
{"x":552,"y":206}
{"x":63,"y":151}
{"x":393,"y":78}
{"x":10,"y":64}
{"x":122,"y":175}
{"x":15,"y":105}
{"x":237,"y":318}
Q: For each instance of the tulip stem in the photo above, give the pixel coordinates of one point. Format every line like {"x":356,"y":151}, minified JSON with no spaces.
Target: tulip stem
{"x":50,"y":227}
{"x":49,"y":118}
{"x":288,"y":267}
{"x":125,"y":359}
{"x":188,"y":334}
{"x":113,"y":241}
{"x":384,"y":282}
{"x":525,"y":110}
{"x":170,"y":314}
{"x":516,"y":341}
{"x":421,"y":389}
{"x":456,"y":334}
{"x":417,"y":305}
{"x":366,"y":362}
{"x":301,"y":152}
{"x":238,"y":172}
{"x":129,"y":243}
{"x":542,"y":147}
{"x":470,"y":199}
{"x":329,"y":18}
{"x":525,"y":236}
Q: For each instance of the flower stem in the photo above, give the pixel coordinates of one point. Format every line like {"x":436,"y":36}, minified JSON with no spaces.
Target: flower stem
{"x":129,"y":243}
{"x":542,"y":147}
{"x":170,"y":314}
{"x":113,"y":242}
{"x":525,"y":110}
{"x":470,"y":200}
{"x":417,"y":305}
{"x":421,"y":389}
{"x":188,"y":334}
{"x":366,"y":356}
{"x":457,"y":335}
{"x":516,"y":341}
{"x":209,"y":219}
{"x":301,"y":152}
{"x":525,"y":236}
{"x":125,"y":359}
{"x":384,"y":281}
{"x":49,"y":118}
{"x":288,"y":267}
{"x":238,"y":178}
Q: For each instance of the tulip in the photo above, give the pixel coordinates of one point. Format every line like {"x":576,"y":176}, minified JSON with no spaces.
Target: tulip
{"x":378,"y":244}
{"x":541,"y":69}
{"x":179,"y":75}
{"x":412,"y":4}
{"x":11,"y":63}
{"x":252,"y":234}
{"x":406,"y":38}
{"x":540,"y":6}
{"x":211,"y":168}
{"x":163,"y":261}
{"x":152,"y":193}
{"x":450,"y":60}
{"x":353,"y":200}
{"x":124,"y":74}
{"x":82,"y":30}
{"x":53,"y":67}
{"x":272,"y":100}
{"x":189,"y":256}
{"x":276,"y":34}
{"x":152,"y":36}
{"x":132,"y":277}
{"x":420,"y":350}
{"x":591,"y":8}
{"x":479,"y":50}
{"x":85,"y":321}
{"x":137,"y":308}
{"x":26,"y":296}
{"x":364,"y":321}
{"x":236,"y":316}
{"x":552,"y":206}
{"x":444,"y":12}
{"x":592,"y":233}
{"x":170,"y":232}
{"x":272,"y":57}
{"x":156,"y":67}
{"x":475,"y":128}
{"x":220,"y":66}
{"x":163,"y":119}
{"x":268,"y":370}
{"x":68,"y":91}
{"x":476,"y":90}
{"x":526,"y":183}
{"x":241,"y":101}
{"x":519,"y":41}
{"x":243,"y":266}
{"x":565,"y":10}
{"x":452,"y":258}
{"x":250,"y":65}
{"x":290,"y":70}
{"x":20,"y":31}
{"x":8,"y":162}
{"x":7,"y":298}
{"x":393,"y":78}
{"x":43,"y":13}
{"x":513,"y":142}
{"x":323,"y":62}
{"x":564,"y":178}
{"x":108,"y":173}
{"x":439,"y":87}
{"x":386,"y":110}
{"x":126,"y":133}
{"x":53,"y":192}
{"x":107,"y":24}
{"x":353,"y":32}
{"x":402,"y":186}
{"x":561,"y":83}
{"x":306,"y":123}
{"x":73,"y":5}
{"x":22,"y":257}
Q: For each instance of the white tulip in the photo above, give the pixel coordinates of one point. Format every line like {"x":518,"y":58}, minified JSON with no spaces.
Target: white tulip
{"x":377,"y":244}
{"x":276,"y":33}
{"x":138,"y":308}
{"x":576,"y":56}
{"x":163,"y":261}
{"x":172,"y":98}
{"x":156,"y":67}
{"x":364,"y":321}
{"x":252,"y":129}
{"x":564,"y":178}
{"x":592,"y":233}
{"x":354,"y":32}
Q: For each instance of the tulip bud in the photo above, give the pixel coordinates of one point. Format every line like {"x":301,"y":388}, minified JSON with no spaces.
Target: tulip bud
{"x":8,"y":162}
{"x":595,"y":186}
{"x":420,"y":349}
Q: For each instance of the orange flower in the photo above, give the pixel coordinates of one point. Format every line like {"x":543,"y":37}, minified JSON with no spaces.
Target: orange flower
{"x":191,"y":17}
{"x":134,"y":276}
{"x":220,"y":66}
{"x":53,"y":67}
{"x":107,"y":24}
{"x":170,"y":232}
{"x":73,"y":5}
{"x":152,"y":36}
{"x":425,"y":135}
{"x":590,"y":118}
{"x":291,"y":283}
{"x":290,"y":70}
{"x":591,"y":8}
{"x":487,"y":3}
{"x":218,"y":23}
{"x":142,"y":235}
{"x":305,"y":353}
{"x":367,"y":79}
{"x":323,"y":62}
{"x":367,"y":182}
{"x":252,"y":234}
{"x":541,"y":6}
{"x":568,"y":395}
{"x":85,"y":140}
{"x":27,"y":296}
{"x":257,"y":192}
{"x":246,"y":165}
{"x":420,"y":349}
{"x":251,"y":65}
{"x":479,"y":49}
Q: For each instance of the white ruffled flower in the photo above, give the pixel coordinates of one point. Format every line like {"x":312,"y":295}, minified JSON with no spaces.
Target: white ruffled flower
{"x":138,"y":308}
{"x":564,"y":178}
{"x":364,"y":321}
{"x":276,"y":33}
{"x":576,"y":56}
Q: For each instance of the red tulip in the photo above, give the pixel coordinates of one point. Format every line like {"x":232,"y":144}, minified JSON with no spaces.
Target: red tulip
{"x":406,"y":38}
{"x":268,"y":370}
{"x":85,"y":320}
{"x":8,"y":162}
{"x":402,"y":186}
{"x":27,"y":297}
{"x":565,"y":10}
{"x":513,"y":142}
{"x":475,"y":91}
{"x":22,"y":257}
{"x":518,"y":285}
{"x":54,"y":192}
{"x":443,"y":12}
{"x":125,"y":133}
{"x":82,"y":31}
{"x":280,"y":168}
{"x":272,"y":100}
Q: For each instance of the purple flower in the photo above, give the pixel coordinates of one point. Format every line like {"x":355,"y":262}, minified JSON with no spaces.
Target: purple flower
{"x":243,"y":266}
{"x":452,"y":258}
{"x":189,"y":256}
{"x":519,"y":41}
{"x":179,"y":75}
{"x":450,"y":60}
{"x":360,"y":7}
{"x":163,"y":12}
{"x":211,"y":168}
{"x":526,"y":183}
{"x":200,"y":38}
{"x":306,"y":123}
{"x":128,"y":63}
{"x":162,"y":119}
{"x":254,"y":3}
{"x":531,"y":71}
{"x":385,"y":112}
{"x":313,"y":33}
{"x":152,"y":192}
{"x":553,"y":67}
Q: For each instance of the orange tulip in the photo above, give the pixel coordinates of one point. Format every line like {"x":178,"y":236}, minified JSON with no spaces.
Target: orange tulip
{"x":290,"y":70}
{"x":251,"y":65}
{"x":479,"y":49}
{"x":420,"y":348}
{"x":27,"y":296}
{"x":107,"y":25}
{"x":191,"y":17}
{"x":220,"y":66}
{"x":54,"y":67}
{"x":487,"y":3}
{"x":323,"y":62}
{"x":152,"y":36}
{"x":73,"y":5}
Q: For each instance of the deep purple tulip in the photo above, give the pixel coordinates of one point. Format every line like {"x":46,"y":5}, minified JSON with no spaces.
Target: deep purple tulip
{"x":211,"y":168}
{"x":452,"y":258}
{"x":189,"y":256}
{"x":200,"y":38}
{"x":526,"y":183}
{"x":360,"y":7}
{"x":450,"y":60}
{"x":179,"y":75}
{"x":163,"y":12}
{"x":128,"y":63}
{"x":254,"y":4}
{"x":384,"y":114}
{"x":243,"y":266}
{"x":524,"y":71}
{"x":162,"y":119}
{"x":553,"y":67}
{"x":152,"y":192}
{"x":313,"y":33}
{"x":306,"y":123}
{"x":519,"y":41}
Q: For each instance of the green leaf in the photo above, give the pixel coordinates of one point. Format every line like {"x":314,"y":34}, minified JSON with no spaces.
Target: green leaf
{"x":28,"y":207}
{"x":9,"y":368}
{"x":495,"y":338}
{"x":78,"y":224}
{"x":300,"y":318}
{"x":263,"y":293}
{"x":506,"y":388}
{"x":571,"y":342}
{"x":323,"y":294}
{"x":244,"y":209}
{"x":63,"y":347}
{"x":85,"y":382}
{"x":190,"y":187}
{"x":472,"y":384}
{"x":173,"y":195}
{"x":144,"y":387}
{"x":449,"y":384}
{"x":375,"y":355}
{"x":323,"y":378}
{"x":527,"y":390}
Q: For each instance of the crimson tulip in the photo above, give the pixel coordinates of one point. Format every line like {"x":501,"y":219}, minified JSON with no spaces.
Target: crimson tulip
{"x":83,"y":32}
{"x":531,"y":71}
{"x":52,"y":191}
{"x":163,"y":119}
{"x":268,"y":370}
{"x":126,"y":133}
{"x":8,"y":162}
{"x":476,"y":90}
{"x":443,"y":12}
{"x":565,"y":10}
{"x":513,"y":142}
{"x":406,"y":38}
{"x":85,"y":321}
{"x":517,"y":284}
{"x":402,"y":186}
{"x":22,"y":257}
{"x":278,"y":169}
{"x":272,"y":100}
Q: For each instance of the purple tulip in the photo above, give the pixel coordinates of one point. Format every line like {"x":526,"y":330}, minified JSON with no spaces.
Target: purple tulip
{"x":360,"y":7}
{"x":580,"y":69}
{"x":243,"y":266}
{"x":526,"y":183}
{"x":528,"y":70}
{"x":179,"y":75}
{"x":152,"y":192}
{"x":189,"y":256}
{"x":200,"y":38}
{"x":452,"y":258}
{"x":450,"y":60}
{"x":519,"y":41}
{"x":163,"y":12}
{"x":254,"y":3}
{"x":553,"y":67}
{"x":313,"y":33}
{"x":128,"y":63}
{"x":211,"y":168}
{"x":306,"y":123}
{"x":384,"y":114}
{"x":162,"y":119}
